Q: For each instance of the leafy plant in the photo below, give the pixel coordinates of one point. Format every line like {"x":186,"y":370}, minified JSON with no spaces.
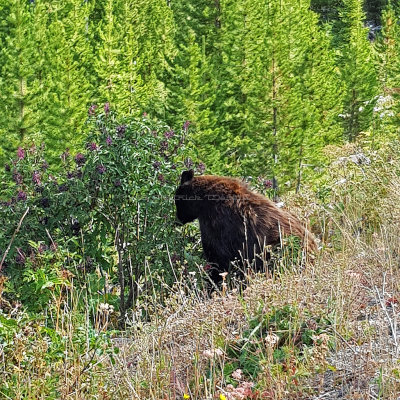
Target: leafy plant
{"x":277,"y":338}
{"x":110,"y":209}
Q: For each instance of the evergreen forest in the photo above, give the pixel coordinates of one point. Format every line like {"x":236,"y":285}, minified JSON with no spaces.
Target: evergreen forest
{"x":265,"y":85}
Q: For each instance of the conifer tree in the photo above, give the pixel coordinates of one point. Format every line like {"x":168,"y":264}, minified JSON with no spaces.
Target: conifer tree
{"x":357,"y":71}
{"x":387,"y":47}
{"x":229,"y":68}
{"x":107,"y":63}
{"x":201,"y":17}
{"x":18,"y":85}
{"x":134,"y":39}
{"x":288,"y":73}
{"x":154,"y":34}
{"x":192,"y":98}
{"x":68,"y":91}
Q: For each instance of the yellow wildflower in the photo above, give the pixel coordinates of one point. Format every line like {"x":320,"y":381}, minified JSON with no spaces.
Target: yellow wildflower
{"x":186,"y":396}
{"x":222,"y":397}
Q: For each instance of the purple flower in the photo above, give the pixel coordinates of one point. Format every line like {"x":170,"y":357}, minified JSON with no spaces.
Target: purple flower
{"x":101,"y":169}
{"x":21,"y":196}
{"x":188,"y":162}
{"x":17,"y":178}
{"x":20,"y":153}
{"x":186,"y":125}
{"x":121,"y":130}
{"x":45,"y":165}
{"x":92,"y":109}
{"x":161,"y":178}
{"x":107,"y":108}
{"x":109,"y":141}
{"x":169,"y":134}
{"x":201,"y":168}
{"x":156,"y":164}
{"x":92,"y":146}
{"x":207,"y":267}
{"x":45,"y":202}
{"x":164,"y":145}
{"x":36,"y":178}
{"x":7,"y":167}
{"x":20,"y":257}
{"x":80,"y":159}
{"x":62,"y":188}
{"x":117,"y":183}
{"x":267,"y":183}
{"x":173,"y":166}
{"x":70,"y":175}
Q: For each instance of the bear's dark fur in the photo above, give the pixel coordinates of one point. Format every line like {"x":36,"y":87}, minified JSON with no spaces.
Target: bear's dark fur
{"x":235,"y":222}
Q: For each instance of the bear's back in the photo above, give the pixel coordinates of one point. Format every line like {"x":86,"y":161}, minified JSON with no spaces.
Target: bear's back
{"x":232,"y":201}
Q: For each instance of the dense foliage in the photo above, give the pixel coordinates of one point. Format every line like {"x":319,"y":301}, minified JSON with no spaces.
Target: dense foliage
{"x":266,"y":85}
{"x":103,"y":218}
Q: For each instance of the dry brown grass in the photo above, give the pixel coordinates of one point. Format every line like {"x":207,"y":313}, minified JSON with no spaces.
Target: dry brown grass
{"x":355,"y":279}
{"x":182,"y":349}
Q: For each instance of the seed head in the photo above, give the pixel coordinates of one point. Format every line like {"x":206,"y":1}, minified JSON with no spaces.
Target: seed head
{"x":36,"y":178}
{"x":101,"y":169}
{"x":92,"y":109}
{"x":80,"y":159}
{"x":21,"y":196}
{"x":20,"y":153}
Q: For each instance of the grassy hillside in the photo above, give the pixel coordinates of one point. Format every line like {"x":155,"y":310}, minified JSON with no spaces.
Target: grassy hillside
{"x":328,"y":331}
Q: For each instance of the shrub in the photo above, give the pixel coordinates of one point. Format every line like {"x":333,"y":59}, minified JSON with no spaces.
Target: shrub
{"x":110,"y":207}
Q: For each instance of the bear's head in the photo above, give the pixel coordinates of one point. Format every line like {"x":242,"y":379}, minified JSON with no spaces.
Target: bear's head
{"x":186,"y":200}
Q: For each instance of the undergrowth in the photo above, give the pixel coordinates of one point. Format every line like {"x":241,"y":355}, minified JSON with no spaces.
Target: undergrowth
{"x":328,"y":330}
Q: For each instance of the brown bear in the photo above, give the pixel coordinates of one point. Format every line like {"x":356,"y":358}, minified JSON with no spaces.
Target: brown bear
{"x":235,"y":222}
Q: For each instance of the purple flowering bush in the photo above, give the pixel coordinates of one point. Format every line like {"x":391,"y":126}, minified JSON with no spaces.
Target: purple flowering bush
{"x":52,"y":202}
{"x":131,"y":170}
{"x":110,"y":208}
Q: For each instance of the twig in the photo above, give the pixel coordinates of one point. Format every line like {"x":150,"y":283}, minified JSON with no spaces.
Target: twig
{"x":12,"y":239}
{"x":51,"y":239}
{"x":392,"y":324}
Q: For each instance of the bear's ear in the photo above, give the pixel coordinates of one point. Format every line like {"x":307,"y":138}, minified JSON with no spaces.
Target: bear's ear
{"x":187,"y":176}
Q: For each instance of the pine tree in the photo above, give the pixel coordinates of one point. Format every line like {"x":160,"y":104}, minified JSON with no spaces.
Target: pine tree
{"x":387,"y":47}
{"x":201,"y":17}
{"x":288,"y":73}
{"x":107,"y":63}
{"x":229,"y":67}
{"x":154,"y":34}
{"x":68,"y":91}
{"x":192,"y":96}
{"x":135,"y":37}
{"x":357,"y":71}
{"x":18,"y":83}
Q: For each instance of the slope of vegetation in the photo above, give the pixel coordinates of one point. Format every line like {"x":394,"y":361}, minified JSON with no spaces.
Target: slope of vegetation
{"x":330,"y":329}
{"x":104,"y":104}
